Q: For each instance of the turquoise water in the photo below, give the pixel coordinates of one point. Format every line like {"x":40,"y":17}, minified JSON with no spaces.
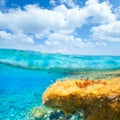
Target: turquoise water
{"x":24,"y":76}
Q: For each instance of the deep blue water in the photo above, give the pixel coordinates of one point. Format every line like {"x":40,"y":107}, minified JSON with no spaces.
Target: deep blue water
{"x":24,"y":76}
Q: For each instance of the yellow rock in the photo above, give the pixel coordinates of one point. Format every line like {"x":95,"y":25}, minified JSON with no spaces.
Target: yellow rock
{"x":98,"y":99}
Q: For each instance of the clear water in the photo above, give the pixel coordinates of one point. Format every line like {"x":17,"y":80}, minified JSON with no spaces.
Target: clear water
{"x":24,"y":76}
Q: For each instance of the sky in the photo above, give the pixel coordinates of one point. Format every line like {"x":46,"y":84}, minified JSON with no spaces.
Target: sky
{"x":84,"y":27}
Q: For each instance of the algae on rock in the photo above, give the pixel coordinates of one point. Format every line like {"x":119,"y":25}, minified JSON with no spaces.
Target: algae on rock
{"x":99,"y":100}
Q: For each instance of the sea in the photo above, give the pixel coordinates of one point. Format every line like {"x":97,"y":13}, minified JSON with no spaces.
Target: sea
{"x":25,"y":75}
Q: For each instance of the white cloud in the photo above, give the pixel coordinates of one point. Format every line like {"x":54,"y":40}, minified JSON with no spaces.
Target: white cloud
{"x":110,"y":32}
{"x":57,"y":26}
{"x":53,"y":2}
{"x":69,"y":3}
{"x":36,"y":20}
{"x":9,"y":38}
{"x":58,"y":39}
{"x":68,"y":43}
{"x":101,"y":12}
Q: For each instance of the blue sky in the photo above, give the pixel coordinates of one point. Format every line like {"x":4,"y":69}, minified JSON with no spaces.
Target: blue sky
{"x":85,"y":27}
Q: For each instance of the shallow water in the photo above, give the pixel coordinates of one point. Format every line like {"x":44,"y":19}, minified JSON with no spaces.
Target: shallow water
{"x":21,"y":90}
{"x":24,"y":76}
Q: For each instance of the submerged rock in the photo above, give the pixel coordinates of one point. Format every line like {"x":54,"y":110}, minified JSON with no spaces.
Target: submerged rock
{"x":38,"y":112}
{"x":45,"y":113}
{"x":99,"y":100}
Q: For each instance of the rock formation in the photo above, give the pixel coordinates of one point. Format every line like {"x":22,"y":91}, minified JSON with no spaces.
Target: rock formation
{"x":98,"y":99}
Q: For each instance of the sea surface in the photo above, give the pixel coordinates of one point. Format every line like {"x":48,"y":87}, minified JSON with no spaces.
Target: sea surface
{"x":24,"y":76}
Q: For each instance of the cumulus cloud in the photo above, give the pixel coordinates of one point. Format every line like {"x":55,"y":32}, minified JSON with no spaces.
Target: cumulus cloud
{"x":69,"y":3}
{"x":14,"y":39}
{"x":101,"y":12}
{"x":58,"y":39}
{"x":54,"y":27}
{"x":36,"y":20}
{"x":53,"y":2}
{"x":69,"y":43}
{"x":110,"y":32}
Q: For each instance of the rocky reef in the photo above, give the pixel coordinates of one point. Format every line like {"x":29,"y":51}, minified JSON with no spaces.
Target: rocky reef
{"x":97,"y":99}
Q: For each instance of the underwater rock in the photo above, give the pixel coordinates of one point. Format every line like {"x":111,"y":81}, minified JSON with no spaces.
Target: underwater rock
{"x":39,"y":112}
{"x":51,"y":114}
{"x":98,"y":99}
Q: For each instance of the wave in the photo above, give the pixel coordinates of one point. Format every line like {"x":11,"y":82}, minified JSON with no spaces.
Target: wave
{"x":44,"y":61}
